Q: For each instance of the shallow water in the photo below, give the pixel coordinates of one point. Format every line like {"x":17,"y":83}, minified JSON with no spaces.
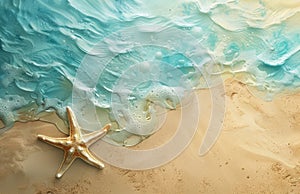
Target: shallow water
{"x":127,"y":61}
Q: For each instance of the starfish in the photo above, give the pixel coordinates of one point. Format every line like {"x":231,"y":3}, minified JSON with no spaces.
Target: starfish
{"x":76,"y":144}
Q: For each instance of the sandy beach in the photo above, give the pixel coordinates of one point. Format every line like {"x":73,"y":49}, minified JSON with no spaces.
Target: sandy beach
{"x":258,"y":151}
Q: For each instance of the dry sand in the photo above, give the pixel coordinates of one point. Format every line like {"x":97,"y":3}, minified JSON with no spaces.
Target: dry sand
{"x":257,"y":152}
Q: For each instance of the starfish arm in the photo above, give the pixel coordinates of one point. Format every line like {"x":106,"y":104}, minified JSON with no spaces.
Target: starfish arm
{"x":69,"y":158}
{"x":73,"y":124}
{"x":57,"y":142}
{"x":88,"y":157}
{"x":91,"y":138}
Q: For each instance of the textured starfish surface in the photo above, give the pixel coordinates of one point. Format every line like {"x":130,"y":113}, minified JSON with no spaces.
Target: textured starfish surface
{"x":76,"y":144}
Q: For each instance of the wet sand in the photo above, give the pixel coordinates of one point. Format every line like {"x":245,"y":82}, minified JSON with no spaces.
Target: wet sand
{"x":258,"y":151}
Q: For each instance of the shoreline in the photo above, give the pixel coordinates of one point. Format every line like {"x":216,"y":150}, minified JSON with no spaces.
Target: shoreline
{"x":258,"y":151}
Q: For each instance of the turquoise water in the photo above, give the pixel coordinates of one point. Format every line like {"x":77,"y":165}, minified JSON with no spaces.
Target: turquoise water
{"x":125,"y":57}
